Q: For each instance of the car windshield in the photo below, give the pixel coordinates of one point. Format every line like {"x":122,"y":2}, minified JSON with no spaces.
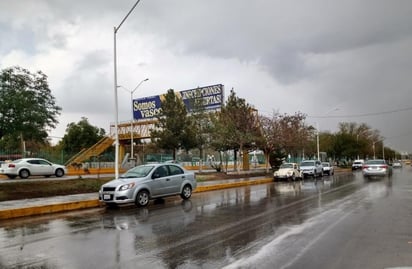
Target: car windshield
{"x":307,"y":164}
{"x":138,"y":171}
{"x":326,"y":164}
{"x":286,"y":165}
{"x":375,"y":162}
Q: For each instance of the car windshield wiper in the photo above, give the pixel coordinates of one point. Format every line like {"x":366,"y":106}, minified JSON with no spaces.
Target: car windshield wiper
{"x":127,"y":176}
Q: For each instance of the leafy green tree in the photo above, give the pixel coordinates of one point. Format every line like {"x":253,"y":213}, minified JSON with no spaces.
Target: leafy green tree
{"x":81,"y":135}
{"x":238,"y":126}
{"x":326,"y":140}
{"x":173,"y":129}
{"x":27,"y":107}
{"x":200,"y":125}
{"x":354,"y":139}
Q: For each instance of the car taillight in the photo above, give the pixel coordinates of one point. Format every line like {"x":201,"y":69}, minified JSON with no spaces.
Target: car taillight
{"x":384,"y":166}
{"x":11,"y":165}
{"x":365,"y":167}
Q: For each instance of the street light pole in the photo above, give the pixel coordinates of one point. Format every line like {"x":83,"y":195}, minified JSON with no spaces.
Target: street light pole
{"x":131,"y":123}
{"x":317,"y":129}
{"x":116,"y":109}
{"x":317,"y":140}
{"x":132,"y":119}
{"x":383,"y":149}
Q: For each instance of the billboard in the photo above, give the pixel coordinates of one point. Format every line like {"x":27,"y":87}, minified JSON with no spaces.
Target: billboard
{"x":211,"y":97}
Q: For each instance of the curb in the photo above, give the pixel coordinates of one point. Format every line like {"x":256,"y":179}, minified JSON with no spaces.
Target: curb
{"x":232,"y":185}
{"x":47,"y":209}
{"x":94,"y":203}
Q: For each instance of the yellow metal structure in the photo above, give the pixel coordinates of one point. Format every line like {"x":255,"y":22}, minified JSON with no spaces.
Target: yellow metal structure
{"x":94,"y":150}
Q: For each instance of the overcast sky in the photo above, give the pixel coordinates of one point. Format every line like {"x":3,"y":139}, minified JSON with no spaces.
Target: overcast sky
{"x":336,"y":61}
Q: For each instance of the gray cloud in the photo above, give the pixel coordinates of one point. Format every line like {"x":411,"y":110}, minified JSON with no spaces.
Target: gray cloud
{"x":309,"y":56}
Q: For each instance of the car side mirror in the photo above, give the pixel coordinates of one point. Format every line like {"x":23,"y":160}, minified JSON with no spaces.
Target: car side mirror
{"x":155,"y":175}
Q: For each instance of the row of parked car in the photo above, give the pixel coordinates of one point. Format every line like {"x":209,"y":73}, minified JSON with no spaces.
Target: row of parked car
{"x":315,"y":168}
{"x":307,"y":168}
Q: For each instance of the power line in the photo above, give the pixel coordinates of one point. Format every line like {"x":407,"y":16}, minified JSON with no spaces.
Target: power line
{"x":363,"y":115}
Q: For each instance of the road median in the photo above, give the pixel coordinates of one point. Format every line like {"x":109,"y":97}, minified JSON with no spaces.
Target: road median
{"x":31,"y":207}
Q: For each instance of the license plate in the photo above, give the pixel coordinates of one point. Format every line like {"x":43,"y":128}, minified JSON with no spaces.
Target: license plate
{"x":107,"y":197}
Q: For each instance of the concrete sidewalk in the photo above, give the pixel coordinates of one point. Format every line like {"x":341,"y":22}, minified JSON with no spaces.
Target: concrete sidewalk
{"x":29,"y":207}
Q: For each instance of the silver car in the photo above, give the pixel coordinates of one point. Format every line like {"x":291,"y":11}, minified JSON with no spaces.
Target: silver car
{"x":376,"y":168}
{"x":32,"y":167}
{"x":311,"y":168}
{"x":145,"y":182}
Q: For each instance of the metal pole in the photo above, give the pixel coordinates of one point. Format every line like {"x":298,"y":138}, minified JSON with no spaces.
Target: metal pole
{"x":116,"y":122}
{"x":131,"y":126}
{"x":317,"y":138}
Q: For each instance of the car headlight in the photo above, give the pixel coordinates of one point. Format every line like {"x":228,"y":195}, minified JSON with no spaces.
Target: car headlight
{"x":126,"y":187}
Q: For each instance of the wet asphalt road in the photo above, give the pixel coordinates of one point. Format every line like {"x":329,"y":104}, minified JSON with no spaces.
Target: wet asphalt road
{"x":336,"y":222}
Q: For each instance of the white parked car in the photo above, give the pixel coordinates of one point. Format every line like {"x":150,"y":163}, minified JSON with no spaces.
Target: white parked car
{"x":357,"y":165}
{"x":32,"y":167}
{"x":150,"y":181}
{"x":328,"y":169}
{"x":287,"y":171}
{"x":397,"y":164}
{"x":311,"y":168}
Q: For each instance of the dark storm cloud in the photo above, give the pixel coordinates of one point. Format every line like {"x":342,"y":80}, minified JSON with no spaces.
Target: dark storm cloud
{"x":310,"y":56}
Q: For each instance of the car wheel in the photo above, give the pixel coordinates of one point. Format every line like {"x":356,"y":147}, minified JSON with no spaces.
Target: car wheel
{"x":142,"y":198}
{"x":186,"y":192}
{"x":24,"y":173}
{"x":59,"y":173}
